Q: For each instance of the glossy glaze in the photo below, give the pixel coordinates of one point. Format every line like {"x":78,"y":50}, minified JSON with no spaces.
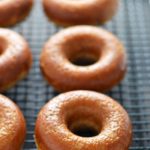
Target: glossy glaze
{"x":12,"y":125}
{"x":52,"y":133}
{"x":70,"y":12}
{"x":108,"y":70}
{"x":15,"y":58}
{"x":14,"y":11}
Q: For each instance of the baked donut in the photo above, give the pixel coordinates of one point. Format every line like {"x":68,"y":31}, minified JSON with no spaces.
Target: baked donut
{"x":15,"y":58}
{"x":83,"y":120}
{"x":65,"y":54}
{"x":12,"y":125}
{"x":73,"y":12}
{"x":14,"y":11}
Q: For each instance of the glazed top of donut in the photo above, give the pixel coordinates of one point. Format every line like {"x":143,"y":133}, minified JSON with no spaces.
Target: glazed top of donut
{"x":57,"y":118}
{"x":61,"y":49}
{"x":15,"y":56}
{"x":12,"y":125}
{"x":12,"y":46}
{"x":73,"y":39}
{"x":71,"y":12}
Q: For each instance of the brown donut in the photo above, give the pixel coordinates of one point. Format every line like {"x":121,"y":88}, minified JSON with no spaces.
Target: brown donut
{"x":12,"y":125}
{"x":72,"y":12}
{"x":83,"y":120}
{"x":62,"y":52}
{"x":14,"y":11}
{"x":15,"y":58}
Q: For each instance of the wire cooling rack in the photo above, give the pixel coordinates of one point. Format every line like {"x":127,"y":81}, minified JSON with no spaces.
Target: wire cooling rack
{"x":132,"y":26}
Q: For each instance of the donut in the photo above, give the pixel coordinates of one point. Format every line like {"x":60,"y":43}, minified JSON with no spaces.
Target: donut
{"x":83,"y":58}
{"x":72,"y":12}
{"x":83,"y":120}
{"x":14,"y":11}
{"x":15,"y":58}
{"x":12,"y":125}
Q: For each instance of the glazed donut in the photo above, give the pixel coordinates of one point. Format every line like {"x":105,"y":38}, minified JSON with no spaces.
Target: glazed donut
{"x":14,"y":11}
{"x":64,"y":55}
{"x":15,"y":58}
{"x":12,"y":125}
{"x":66,"y":121}
{"x":72,"y":12}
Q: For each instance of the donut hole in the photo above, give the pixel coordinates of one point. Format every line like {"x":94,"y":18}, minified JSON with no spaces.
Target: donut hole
{"x":84,"y":129}
{"x":84,"y":123}
{"x":2,"y":45}
{"x":83,"y":50}
{"x":84,"y":59}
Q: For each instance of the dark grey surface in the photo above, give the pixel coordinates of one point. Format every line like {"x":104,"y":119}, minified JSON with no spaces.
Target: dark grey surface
{"x":132,"y":26}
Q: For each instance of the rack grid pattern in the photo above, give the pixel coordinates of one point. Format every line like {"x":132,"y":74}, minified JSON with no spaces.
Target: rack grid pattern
{"x":132,"y":26}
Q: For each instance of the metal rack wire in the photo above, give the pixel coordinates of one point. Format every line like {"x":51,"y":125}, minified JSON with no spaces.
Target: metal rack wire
{"x":132,"y":26}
